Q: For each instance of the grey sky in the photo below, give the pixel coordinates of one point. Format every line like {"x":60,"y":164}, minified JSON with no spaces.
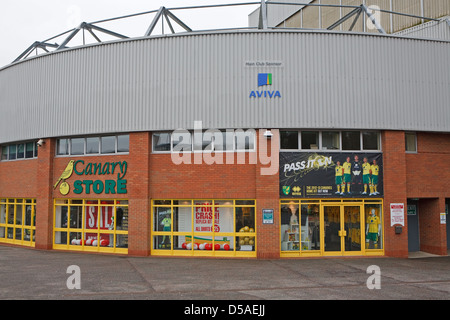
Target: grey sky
{"x":26,"y":21}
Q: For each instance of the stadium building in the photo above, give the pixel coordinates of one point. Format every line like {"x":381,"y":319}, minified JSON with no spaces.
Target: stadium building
{"x":282,"y":139}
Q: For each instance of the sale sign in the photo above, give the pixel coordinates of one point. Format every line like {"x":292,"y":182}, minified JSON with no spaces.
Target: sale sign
{"x":99,"y":218}
{"x":208,"y":220}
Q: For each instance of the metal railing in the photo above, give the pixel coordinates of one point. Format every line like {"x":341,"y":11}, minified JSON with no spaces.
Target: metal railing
{"x":166,"y":17}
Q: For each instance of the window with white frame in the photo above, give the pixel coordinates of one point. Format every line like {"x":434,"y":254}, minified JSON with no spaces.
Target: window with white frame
{"x":410,"y":142}
{"x":350,"y":140}
{"x":19,"y":151}
{"x":79,"y":146}
{"x":204,"y":141}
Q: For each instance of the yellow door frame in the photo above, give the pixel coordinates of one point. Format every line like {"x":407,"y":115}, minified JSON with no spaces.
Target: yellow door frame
{"x":342,"y":233}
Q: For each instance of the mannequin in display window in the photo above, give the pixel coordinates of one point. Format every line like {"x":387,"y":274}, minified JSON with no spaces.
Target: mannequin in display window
{"x":373,"y":230}
{"x":293,"y":220}
{"x":166,"y":223}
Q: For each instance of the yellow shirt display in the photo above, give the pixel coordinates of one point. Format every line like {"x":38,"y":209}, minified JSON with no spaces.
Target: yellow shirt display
{"x":373,"y":223}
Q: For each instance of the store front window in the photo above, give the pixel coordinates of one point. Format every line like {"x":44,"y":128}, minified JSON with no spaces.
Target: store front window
{"x":18,"y":221}
{"x":373,"y":228}
{"x":91,"y":225}
{"x":204,"y":227}
{"x":331,"y":227}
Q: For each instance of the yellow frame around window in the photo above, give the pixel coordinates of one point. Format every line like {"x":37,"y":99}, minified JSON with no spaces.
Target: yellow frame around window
{"x":84,"y":231}
{"x":189,"y":203}
{"x":340,"y":203}
{"x":10,"y":231}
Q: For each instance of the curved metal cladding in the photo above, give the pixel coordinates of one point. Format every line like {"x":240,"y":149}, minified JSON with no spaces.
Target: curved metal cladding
{"x":325,"y":80}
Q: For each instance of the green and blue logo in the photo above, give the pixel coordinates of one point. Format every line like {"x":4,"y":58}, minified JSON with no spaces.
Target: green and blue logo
{"x":264,"y":79}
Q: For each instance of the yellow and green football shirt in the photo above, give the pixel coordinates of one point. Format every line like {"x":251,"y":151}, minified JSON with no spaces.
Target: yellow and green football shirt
{"x":375,"y":169}
{"x":373,"y":223}
{"x":347,"y":167}
{"x":366,"y":168}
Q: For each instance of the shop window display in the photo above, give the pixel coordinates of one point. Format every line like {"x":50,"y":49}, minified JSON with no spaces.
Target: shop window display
{"x":373,"y":229}
{"x":91,"y":225}
{"x":183,"y":226}
{"x":300,"y":227}
{"x":18,"y":221}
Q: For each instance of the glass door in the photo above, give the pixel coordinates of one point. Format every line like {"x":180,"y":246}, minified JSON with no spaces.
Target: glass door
{"x":342,"y":230}
{"x":332,"y":229}
{"x":352,"y":230}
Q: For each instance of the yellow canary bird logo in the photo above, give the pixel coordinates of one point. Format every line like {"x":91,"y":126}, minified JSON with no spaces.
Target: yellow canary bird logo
{"x":67,"y":173}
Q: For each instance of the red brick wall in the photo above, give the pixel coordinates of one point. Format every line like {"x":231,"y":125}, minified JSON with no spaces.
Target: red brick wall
{"x":428,"y":173}
{"x":394,"y":179}
{"x":19,"y":178}
{"x":44,"y":200}
{"x":267,"y":195}
{"x":200,"y":181}
{"x":138,"y":190}
{"x":427,"y":179}
{"x":432,"y":233}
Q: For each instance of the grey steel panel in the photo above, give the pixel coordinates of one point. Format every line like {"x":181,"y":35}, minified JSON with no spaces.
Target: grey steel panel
{"x":430,"y":30}
{"x":328,"y":80}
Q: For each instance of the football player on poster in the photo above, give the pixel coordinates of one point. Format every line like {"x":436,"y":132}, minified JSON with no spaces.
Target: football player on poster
{"x":374,"y":170}
{"x":347,"y":175}
{"x":357,"y":175}
{"x":339,"y":172}
{"x":366,"y":174}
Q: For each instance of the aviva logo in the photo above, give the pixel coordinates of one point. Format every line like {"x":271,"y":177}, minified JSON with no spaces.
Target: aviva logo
{"x":265,"y":79}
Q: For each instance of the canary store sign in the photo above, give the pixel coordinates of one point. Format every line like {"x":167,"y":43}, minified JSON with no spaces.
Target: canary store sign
{"x":114,"y":171}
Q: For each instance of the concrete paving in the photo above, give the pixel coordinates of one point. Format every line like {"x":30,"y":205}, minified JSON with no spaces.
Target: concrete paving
{"x":42,"y":275}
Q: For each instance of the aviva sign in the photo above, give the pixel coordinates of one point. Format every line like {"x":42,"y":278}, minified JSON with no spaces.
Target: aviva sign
{"x":265,"y":79}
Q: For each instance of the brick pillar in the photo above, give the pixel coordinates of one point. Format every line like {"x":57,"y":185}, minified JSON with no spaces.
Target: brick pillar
{"x":267,"y":195}
{"x":44,"y":199}
{"x":433,"y":234}
{"x":138,"y":195}
{"x":394,"y":179}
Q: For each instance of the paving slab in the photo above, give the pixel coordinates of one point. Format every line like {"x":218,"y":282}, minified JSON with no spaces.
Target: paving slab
{"x":43,"y":275}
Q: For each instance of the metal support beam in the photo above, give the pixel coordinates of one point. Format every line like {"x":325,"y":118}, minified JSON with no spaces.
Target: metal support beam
{"x":263,"y":16}
{"x":70,"y":37}
{"x":27,"y":51}
{"x":175,"y":18}
{"x":356,"y":20}
{"x":345,"y":18}
{"x":111,"y":33}
{"x":169,"y":23}
{"x":372,"y":18}
{"x":155,"y":21}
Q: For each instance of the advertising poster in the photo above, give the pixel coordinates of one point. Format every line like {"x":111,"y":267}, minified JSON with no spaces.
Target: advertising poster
{"x":99,"y":219}
{"x":331,"y":175}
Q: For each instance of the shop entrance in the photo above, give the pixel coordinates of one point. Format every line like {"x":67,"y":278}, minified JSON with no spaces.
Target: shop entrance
{"x":342,"y":230}
{"x":325,"y":227}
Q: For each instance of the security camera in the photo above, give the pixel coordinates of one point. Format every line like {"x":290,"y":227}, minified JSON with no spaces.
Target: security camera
{"x":40,"y":142}
{"x":268,"y":134}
